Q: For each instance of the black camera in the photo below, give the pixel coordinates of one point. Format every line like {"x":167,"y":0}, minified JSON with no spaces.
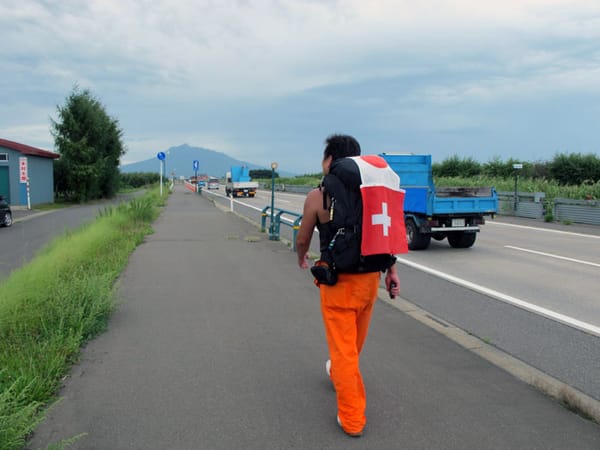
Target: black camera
{"x":323,"y":273}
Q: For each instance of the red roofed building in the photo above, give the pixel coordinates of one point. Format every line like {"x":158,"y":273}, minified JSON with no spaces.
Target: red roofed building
{"x":19,"y":164}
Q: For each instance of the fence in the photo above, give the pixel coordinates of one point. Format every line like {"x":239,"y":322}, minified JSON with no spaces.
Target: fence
{"x":578,"y":211}
{"x":526,"y":204}
{"x":295,"y":189}
{"x":275,"y":223}
{"x":534,"y":206}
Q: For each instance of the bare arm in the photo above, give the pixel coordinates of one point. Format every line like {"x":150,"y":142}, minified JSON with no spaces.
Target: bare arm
{"x":307,"y":226}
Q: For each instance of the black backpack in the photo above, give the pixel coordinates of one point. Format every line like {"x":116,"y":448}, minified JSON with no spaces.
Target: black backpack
{"x":342,"y":185}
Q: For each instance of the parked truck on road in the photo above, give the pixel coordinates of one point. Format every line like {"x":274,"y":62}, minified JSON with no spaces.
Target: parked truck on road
{"x":454,"y":213}
{"x":238,"y":182}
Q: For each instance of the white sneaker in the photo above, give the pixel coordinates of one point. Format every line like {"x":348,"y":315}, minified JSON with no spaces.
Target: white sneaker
{"x":328,"y":370}
{"x":359,"y":434}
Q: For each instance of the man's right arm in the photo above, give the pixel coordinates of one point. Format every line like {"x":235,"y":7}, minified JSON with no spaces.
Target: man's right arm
{"x":307,"y":226}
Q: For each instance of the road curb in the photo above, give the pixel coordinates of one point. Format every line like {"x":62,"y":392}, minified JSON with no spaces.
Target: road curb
{"x":568,"y":396}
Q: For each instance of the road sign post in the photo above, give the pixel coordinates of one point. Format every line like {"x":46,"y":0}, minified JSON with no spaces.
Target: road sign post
{"x":24,"y":178}
{"x":161,"y":157}
{"x":196,"y":165}
{"x":516,"y":167}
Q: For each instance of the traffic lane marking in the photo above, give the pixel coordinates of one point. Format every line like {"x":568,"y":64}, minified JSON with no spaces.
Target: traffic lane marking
{"x":571,"y":233}
{"x":550,"y":255}
{"x":567,"y":320}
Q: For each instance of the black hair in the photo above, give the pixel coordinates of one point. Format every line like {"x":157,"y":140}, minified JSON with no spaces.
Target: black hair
{"x":341,"y":146}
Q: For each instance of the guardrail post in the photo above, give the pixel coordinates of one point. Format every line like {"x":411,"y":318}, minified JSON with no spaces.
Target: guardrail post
{"x":277,"y":225}
{"x":295,"y":228}
{"x":263,"y":220}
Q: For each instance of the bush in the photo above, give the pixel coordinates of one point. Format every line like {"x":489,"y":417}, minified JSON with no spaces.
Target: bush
{"x":456,"y":167}
{"x":575,"y":169}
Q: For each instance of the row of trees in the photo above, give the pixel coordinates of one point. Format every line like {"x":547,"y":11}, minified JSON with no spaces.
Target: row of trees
{"x":565,"y":169}
{"x":138,"y":179}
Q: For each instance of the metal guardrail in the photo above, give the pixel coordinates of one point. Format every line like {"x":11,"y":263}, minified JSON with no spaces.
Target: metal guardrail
{"x":534,"y":205}
{"x":578,"y":211}
{"x":276,"y":222}
{"x":193,"y":187}
{"x":279,"y":187}
{"x":531,"y":205}
{"x":526,"y":204}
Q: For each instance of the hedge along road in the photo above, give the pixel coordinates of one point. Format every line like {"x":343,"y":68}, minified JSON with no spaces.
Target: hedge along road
{"x":33,"y":229}
{"x":527,"y":287}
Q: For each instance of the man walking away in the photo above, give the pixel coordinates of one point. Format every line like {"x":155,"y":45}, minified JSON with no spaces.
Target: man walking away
{"x":347,"y":297}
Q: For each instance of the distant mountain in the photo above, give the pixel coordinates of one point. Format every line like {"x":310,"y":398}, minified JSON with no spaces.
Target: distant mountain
{"x":180,"y":161}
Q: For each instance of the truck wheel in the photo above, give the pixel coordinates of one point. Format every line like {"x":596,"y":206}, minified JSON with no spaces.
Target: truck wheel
{"x":461,"y":239}
{"x":416,"y":240}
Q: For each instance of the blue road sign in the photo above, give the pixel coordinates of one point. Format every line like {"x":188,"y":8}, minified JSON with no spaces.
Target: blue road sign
{"x":161,"y":156}
{"x":196,"y":164}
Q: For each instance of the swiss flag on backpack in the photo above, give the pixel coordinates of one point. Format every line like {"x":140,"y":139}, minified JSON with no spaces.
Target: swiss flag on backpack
{"x":383,"y":229}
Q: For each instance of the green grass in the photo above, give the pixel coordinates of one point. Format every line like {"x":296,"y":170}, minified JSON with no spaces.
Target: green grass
{"x":56,"y":303}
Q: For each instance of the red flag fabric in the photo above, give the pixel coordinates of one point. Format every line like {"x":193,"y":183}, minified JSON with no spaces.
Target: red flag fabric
{"x":383,"y":229}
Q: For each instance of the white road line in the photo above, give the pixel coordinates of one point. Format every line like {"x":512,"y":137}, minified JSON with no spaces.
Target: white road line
{"x":584,"y":326}
{"x":542,"y":229}
{"x":550,"y":255}
{"x":245,"y":204}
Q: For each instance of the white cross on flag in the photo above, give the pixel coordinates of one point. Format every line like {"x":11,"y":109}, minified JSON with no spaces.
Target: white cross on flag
{"x":383,"y":229}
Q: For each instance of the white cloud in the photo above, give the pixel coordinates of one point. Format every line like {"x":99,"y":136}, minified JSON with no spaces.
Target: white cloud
{"x":232,"y":48}
{"x":147,"y":58}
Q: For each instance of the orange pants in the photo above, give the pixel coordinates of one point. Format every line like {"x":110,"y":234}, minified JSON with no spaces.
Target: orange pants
{"x":346,"y":308}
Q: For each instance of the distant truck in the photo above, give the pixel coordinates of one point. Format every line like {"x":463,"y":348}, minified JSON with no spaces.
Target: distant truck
{"x":429,"y":212}
{"x":238,"y":182}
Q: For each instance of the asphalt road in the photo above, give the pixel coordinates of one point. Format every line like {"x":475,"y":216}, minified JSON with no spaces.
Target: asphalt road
{"x":218,"y":344}
{"x":553,"y":269}
{"x":539,"y":307}
{"x":34,"y":229}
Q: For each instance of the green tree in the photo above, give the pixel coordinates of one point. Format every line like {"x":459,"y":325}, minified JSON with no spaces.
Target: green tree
{"x":575,"y":168}
{"x":455,"y":167}
{"x":90,"y":147}
{"x":495,"y":168}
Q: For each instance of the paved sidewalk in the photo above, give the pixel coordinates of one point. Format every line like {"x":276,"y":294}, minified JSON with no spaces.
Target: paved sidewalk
{"x":218,"y":344}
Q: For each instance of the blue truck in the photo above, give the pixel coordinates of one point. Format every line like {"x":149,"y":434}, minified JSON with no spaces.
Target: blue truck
{"x":238,"y":182}
{"x":454,"y":213}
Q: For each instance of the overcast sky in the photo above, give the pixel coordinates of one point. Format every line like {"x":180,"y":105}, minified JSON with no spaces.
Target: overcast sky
{"x":267,"y":80}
